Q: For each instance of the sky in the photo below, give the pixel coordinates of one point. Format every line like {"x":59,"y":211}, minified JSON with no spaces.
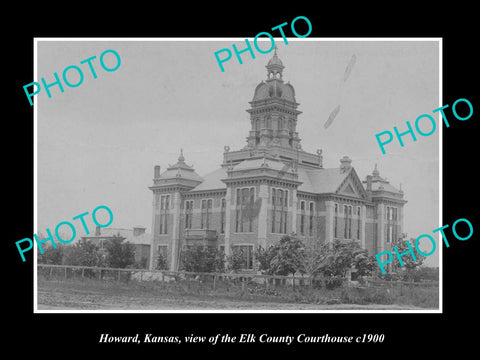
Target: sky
{"x":98,"y":143}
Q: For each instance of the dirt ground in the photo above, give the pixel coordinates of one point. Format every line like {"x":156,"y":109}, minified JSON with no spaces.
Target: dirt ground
{"x":55,"y":295}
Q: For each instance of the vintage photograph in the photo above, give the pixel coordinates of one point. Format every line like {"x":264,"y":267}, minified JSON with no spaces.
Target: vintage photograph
{"x":260,"y":188}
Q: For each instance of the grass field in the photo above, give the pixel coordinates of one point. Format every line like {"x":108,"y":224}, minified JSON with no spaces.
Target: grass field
{"x":74,"y":294}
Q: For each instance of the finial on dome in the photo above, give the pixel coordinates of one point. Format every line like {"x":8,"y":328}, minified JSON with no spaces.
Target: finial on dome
{"x":181,"y":158}
{"x":375,"y":171}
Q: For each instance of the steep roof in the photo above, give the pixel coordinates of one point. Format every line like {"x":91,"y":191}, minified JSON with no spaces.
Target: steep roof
{"x":274,"y":88}
{"x":386,"y":187}
{"x":212,"y":181}
{"x":320,"y":181}
{"x":173,"y":173}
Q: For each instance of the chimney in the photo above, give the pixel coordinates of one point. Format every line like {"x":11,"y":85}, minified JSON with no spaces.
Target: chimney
{"x":97,"y":231}
{"x":156,"y":173}
{"x":345,"y":163}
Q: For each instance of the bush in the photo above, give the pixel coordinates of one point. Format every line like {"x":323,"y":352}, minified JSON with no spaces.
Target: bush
{"x":162,"y":262}
{"x":285,"y":257}
{"x":51,"y":256}
{"x":333,"y":282}
{"x":202,"y":259}
{"x":235,"y":262}
{"x":84,"y":253}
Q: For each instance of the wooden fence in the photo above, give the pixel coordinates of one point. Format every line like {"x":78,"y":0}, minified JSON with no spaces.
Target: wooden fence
{"x":126,"y":275}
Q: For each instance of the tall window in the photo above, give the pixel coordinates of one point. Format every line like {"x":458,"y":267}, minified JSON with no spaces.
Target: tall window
{"x":335,"y":219}
{"x":244,"y":210}
{"x":395,"y":223}
{"x":206,"y":213}
{"x":392,"y":217}
{"x":302,"y":218}
{"x":246,"y":254}
{"x":279,"y":211}
{"x":188,"y":214}
{"x":359,"y":222}
{"x":348,"y":221}
{"x":164,"y":206}
{"x":222,"y":215}
{"x":310,"y":223}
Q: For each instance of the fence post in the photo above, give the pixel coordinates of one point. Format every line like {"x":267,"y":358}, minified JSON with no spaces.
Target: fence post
{"x":65,"y":272}
{"x":83,"y":273}
{"x":51,"y":271}
{"x":214,"y":281}
{"x":118,"y":276}
{"x":293,"y":282}
{"x":243,"y":284}
{"x":141,"y":276}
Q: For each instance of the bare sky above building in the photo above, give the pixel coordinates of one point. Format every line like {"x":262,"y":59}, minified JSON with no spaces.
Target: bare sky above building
{"x":98,"y":143}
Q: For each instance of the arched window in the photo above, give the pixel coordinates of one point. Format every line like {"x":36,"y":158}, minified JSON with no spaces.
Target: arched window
{"x":269,"y":123}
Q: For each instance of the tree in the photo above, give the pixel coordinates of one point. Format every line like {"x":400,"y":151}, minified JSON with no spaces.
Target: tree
{"x":202,"y":259}
{"x":162,"y":262}
{"x":264,"y":257}
{"x":83,"y":253}
{"x":316,"y":257}
{"x":283,"y":258}
{"x":409,"y":264}
{"x":364,"y":263}
{"x":235,"y":262}
{"x":336,"y":258}
{"x":51,"y":255}
{"x":119,"y":254}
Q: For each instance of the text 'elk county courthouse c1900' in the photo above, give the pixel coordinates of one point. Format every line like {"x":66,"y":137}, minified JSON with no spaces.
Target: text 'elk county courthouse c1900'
{"x":268,"y":189}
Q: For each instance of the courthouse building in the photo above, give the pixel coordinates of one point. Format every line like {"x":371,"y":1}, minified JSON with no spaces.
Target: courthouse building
{"x":269,"y":188}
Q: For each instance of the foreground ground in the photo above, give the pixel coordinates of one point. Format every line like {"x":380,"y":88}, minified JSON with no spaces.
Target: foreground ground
{"x":77,"y":295}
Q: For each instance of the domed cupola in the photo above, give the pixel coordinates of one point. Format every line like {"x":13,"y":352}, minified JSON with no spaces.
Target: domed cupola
{"x":273,"y":86}
{"x":275,"y":67}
